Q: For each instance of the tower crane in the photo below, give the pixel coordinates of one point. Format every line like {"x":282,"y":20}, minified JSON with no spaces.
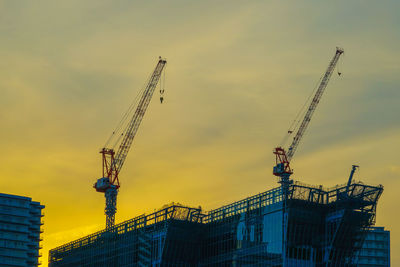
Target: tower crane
{"x":113,"y":161}
{"x":282,"y":168}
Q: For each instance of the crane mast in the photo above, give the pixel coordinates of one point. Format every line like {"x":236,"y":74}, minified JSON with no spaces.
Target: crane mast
{"x":113,"y":161}
{"x":282,"y":168}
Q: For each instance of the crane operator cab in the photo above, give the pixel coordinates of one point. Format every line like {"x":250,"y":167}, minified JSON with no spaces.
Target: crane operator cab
{"x":102,"y":184}
{"x":279,"y":169}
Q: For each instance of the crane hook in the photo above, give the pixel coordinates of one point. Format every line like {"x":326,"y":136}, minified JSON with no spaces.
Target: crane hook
{"x":162,"y":88}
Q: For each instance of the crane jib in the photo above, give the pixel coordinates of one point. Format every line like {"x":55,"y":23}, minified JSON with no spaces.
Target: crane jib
{"x":283,"y":158}
{"x":313,"y":105}
{"x":138,"y":116}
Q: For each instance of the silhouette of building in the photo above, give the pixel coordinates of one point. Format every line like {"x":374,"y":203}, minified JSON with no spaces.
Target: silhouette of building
{"x":20,"y":231}
{"x":308,"y":226}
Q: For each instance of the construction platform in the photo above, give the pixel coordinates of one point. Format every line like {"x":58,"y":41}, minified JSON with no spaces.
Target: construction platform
{"x":302,"y":226}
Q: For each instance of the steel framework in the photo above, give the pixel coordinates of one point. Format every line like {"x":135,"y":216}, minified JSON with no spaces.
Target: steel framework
{"x":325,"y":227}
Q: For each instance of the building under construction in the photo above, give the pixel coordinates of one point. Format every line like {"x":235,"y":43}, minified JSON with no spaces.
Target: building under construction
{"x":291,"y":225}
{"x":310,"y":226}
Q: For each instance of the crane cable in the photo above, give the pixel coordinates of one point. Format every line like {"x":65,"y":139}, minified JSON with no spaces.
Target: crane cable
{"x":123,"y":122}
{"x":162,"y":86}
{"x":295,"y":123}
{"x":128,"y":114}
{"x":340,"y":65}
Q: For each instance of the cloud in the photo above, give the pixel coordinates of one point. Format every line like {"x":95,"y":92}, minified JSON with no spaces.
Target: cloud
{"x":237,"y":74}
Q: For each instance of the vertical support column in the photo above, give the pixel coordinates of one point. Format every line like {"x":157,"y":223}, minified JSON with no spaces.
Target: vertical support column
{"x":285,"y":184}
{"x":111,"y":206}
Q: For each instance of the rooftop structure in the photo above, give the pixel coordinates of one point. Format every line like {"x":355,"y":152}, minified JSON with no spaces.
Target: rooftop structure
{"x":317,"y":227}
{"x":20,"y":230}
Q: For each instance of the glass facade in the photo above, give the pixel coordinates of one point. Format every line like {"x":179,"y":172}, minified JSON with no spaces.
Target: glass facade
{"x":308,"y":226}
{"x":248,"y":239}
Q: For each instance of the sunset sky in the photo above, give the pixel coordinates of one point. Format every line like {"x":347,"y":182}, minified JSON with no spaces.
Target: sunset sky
{"x":237,"y":74}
